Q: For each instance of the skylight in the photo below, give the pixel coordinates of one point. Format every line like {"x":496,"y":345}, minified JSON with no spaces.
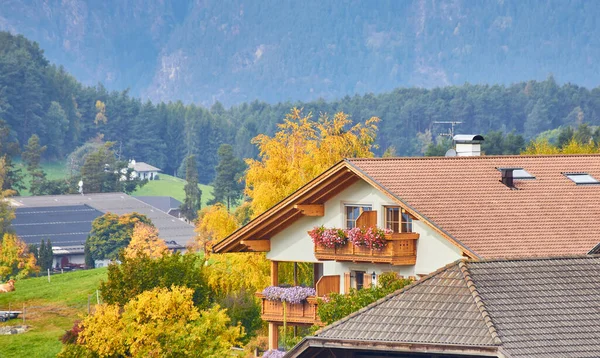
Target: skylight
{"x":582,"y":178}
{"x":522,"y":174}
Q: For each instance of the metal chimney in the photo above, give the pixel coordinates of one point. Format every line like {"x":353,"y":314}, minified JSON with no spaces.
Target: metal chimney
{"x":468,"y":145}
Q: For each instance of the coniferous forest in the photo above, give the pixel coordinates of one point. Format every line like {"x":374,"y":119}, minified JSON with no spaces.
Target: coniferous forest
{"x":37,"y":97}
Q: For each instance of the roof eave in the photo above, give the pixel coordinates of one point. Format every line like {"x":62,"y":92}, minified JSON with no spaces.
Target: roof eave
{"x":399,"y":347}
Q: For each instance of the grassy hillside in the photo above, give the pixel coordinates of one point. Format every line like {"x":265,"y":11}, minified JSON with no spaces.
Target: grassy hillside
{"x":166,"y":186}
{"x":51,"y":308}
{"x":53,"y":170}
{"x":171,"y":186}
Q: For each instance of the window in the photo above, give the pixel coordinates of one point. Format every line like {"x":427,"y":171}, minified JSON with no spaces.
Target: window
{"x":581,"y":178}
{"x":359,"y":279}
{"x":353,"y":212}
{"x":397,"y":220}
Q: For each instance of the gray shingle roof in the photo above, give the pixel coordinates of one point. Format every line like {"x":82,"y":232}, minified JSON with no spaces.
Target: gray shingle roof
{"x":544,"y":307}
{"x":169,"y":228}
{"x":440,"y":310}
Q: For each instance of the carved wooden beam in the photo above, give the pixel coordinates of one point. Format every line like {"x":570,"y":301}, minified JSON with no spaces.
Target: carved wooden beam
{"x":257,"y":245}
{"x":311,"y":209}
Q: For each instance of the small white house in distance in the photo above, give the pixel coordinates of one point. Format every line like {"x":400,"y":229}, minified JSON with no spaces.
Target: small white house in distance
{"x":144,"y":170}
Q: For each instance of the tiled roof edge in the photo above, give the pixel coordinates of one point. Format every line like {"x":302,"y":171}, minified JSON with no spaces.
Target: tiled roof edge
{"x":476,"y":157}
{"x":388,"y":297}
{"x":479,"y":302}
{"x":362,"y":172}
{"x":537,"y":258}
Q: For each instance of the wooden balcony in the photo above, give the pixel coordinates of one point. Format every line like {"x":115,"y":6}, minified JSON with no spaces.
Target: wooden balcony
{"x":304,"y":313}
{"x":401,"y":249}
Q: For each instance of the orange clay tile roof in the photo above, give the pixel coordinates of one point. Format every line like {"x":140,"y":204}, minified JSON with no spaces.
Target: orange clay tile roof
{"x":464,"y":197}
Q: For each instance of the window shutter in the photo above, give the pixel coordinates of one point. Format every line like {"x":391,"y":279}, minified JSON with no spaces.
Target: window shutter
{"x":367,"y":280}
{"x":346,"y":282}
{"x":367,"y":219}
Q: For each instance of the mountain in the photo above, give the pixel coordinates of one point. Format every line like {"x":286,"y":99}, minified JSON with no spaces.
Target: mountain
{"x":236,"y":51}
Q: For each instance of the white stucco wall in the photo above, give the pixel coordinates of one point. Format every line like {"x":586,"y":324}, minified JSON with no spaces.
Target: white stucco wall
{"x":294,"y":244}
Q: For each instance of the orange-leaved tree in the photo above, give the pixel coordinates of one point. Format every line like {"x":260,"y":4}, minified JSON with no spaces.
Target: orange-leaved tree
{"x":301,"y":150}
{"x":6,"y":211}
{"x":15,"y":259}
{"x":145,"y":241}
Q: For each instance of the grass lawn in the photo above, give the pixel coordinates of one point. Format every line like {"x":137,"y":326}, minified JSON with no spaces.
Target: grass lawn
{"x":51,"y":308}
{"x":171,"y":186}
{"x":53,"y":170}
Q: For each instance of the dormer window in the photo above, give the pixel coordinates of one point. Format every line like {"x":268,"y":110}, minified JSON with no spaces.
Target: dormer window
{"x":397,"y":220}
{"x":582,"y":178}
{"x":353,"y":212}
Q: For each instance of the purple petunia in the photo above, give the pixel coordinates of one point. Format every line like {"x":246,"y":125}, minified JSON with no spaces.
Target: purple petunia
{"x":272,"y":353}
{"x":296,"y":294}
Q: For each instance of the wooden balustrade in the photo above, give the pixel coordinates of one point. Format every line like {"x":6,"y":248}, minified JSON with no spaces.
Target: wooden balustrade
{"x":304,"y":313}
{"x":400,"y":249}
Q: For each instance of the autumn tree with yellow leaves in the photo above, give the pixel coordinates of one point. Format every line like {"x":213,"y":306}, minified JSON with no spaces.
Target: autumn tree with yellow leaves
{"x":544,"y":147}
{"x":15,"y":259}
{"x":301,"y":150}
{"x":145,"y":241}
{"x":162,"y":322}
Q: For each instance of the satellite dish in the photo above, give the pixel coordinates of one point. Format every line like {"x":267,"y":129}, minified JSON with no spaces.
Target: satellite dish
{"x":450,"y":153}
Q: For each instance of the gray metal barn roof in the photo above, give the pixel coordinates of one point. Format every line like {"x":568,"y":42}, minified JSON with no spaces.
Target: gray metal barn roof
{"x":67,"y":225}
{"x":164,"y":203}
{"x":170,"y":228}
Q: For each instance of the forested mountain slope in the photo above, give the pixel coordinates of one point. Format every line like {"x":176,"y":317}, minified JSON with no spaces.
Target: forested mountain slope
{"x":236,"y":51}
{"x":39,"y":98}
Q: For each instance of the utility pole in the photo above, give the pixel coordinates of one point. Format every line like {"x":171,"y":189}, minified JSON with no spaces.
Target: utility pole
{"x":450,"y":132}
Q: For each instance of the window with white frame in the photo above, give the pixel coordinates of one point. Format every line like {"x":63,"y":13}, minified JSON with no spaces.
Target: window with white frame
{"x":353,"y":212}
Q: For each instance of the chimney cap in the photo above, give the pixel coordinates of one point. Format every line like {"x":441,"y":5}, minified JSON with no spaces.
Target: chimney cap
{"x":468,"y":138}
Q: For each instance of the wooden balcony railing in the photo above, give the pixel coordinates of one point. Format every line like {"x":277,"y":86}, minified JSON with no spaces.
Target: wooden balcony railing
{"x":304,"y":313}
{"x":401,"y":249}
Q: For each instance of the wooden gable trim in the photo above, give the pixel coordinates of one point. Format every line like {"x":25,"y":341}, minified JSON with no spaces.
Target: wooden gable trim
{"x":284,"y":210}
{"x":257,"y":245}
{"x":311,"y":209}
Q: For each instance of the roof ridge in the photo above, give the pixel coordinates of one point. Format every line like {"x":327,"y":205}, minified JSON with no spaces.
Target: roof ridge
{"x":388,"y":297}
{"x":477,"y":157}
{"x":479,"y":302}
{"x":539,"y":258}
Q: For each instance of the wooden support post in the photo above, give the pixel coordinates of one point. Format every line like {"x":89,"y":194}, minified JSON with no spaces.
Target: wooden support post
{"x":273,"y":336}
{"x":274,"y":273}
{"x":311,"y":209}
{"x":295,"y":274}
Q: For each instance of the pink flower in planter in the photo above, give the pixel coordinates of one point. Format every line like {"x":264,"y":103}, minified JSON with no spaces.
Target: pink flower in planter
{"x":328,"y":238}
{"x":371,"y":237}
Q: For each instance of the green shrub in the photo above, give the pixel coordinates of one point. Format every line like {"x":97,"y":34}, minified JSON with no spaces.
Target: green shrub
{"x":337,"y":306}
{"x":136,"y":275}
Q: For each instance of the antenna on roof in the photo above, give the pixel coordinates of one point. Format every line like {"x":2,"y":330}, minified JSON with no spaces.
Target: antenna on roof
{"x":450,"y":130}
{"x":450,"y":153}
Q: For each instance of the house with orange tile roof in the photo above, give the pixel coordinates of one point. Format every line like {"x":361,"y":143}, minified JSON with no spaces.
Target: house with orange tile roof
{"x":435,"y":210}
